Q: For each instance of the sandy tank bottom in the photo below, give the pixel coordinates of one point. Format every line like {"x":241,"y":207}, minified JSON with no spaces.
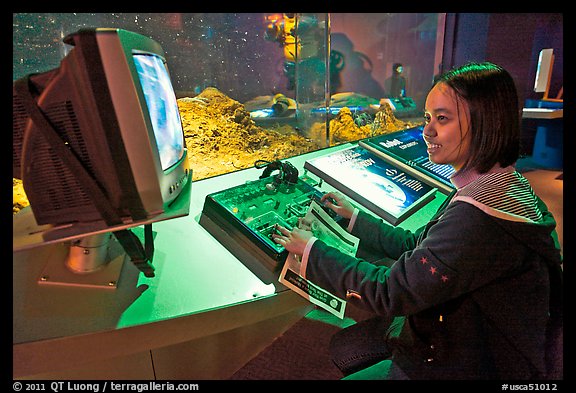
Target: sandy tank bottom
{"x":221,"y":137}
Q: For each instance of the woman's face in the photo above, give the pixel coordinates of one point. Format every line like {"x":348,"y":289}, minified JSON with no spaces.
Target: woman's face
{"x":447,"y":131}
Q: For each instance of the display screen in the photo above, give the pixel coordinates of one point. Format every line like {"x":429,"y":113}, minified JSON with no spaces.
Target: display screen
{"x":412,"y":148}
{"x":409,"y":147}
{"x":162,"y":107}
{"x":386,"y":190}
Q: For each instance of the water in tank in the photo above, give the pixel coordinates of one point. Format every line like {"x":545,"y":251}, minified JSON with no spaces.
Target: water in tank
{"x":264,"y":86}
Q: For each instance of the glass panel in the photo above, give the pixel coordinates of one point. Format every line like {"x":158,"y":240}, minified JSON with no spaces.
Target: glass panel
{"x":253,"y":86}
{"x":383,"y":67}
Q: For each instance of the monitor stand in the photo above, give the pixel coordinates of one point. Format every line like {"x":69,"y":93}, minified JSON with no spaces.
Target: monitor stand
{"x":92,"y":261}
{"x":83,"y":254}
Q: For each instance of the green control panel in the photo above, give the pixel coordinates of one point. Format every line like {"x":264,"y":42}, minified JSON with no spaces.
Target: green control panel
{"x":243,"y":218}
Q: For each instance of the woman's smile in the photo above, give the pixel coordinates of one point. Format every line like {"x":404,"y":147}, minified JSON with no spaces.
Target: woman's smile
{"x":432,"y":147}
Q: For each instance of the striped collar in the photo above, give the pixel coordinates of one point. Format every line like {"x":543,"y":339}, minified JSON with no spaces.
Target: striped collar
{"x":461,"y":179}
{"x":501,"y":192}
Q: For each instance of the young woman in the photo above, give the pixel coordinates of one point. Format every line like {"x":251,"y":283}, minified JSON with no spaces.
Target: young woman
{"x":468,"y":296}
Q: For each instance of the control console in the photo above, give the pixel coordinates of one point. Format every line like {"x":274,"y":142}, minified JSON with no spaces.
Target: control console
{"x":243,"y":218}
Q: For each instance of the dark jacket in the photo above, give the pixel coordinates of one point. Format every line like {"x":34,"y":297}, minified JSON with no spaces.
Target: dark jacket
{"x":474,"y":290}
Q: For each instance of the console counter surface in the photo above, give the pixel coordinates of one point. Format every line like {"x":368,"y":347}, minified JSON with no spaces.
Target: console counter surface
{"x":200,"y":291}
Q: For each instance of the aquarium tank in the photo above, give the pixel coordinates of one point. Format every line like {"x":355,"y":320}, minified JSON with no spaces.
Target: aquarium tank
{"x":265,"y":86}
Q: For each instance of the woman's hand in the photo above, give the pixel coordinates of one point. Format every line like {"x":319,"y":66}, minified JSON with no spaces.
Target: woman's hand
{"x":294,"y":241}
{"x":338,"y":203}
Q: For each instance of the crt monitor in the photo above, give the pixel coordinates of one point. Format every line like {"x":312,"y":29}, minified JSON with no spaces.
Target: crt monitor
{"x":98,"y":142}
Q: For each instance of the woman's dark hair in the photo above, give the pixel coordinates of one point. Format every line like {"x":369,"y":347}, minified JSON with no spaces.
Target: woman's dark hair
{"x":492,"y":98}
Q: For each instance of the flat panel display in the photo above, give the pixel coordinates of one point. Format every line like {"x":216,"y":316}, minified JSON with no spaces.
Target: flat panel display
{"x":407,"y":149}
{"x":378,"y":185}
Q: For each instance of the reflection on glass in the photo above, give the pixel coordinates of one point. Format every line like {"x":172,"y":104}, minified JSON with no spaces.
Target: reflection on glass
{"x":266,"y":86}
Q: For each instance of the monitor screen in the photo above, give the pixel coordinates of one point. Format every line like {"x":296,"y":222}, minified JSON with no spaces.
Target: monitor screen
{"x":162,"y":107}
{"x":410,"y":146}
{"x":388,"y":191}
{"x":407,"y":149}
{"x":542,"y":80}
